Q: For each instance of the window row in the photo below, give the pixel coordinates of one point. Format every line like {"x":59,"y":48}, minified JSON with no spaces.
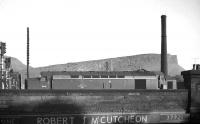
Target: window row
{"x":98,"y":76}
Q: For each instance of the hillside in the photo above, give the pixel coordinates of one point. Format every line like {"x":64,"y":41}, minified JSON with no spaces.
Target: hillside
{"x":17,"y":65}
{"x":150,"y":62}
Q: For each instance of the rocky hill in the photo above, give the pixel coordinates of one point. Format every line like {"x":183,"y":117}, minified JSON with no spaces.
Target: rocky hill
{"x":150,"y":62}
{"x":17,"y":65}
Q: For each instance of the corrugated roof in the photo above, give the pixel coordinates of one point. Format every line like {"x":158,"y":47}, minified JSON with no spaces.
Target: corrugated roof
{"x":125,"y":73}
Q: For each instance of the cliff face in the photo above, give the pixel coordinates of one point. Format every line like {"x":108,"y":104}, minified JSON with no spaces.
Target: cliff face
{"x":17,"y":65}
{"x":150,"y":62}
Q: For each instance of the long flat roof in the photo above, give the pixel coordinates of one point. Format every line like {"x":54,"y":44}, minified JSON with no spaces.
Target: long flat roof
{"x":125,"y":73}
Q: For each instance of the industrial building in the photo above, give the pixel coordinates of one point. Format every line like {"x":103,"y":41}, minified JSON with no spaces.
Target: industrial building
{"x":140,"y":79}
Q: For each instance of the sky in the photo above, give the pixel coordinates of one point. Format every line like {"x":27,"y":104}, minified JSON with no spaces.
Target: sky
{"x":63,"y":31}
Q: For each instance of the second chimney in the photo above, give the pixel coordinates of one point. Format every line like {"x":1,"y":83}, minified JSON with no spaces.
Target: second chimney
{"x":164,"y":66}
{"x":27,"y":53}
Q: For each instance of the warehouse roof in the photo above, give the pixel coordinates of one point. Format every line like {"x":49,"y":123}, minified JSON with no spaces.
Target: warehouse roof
{"x":141,"y":72}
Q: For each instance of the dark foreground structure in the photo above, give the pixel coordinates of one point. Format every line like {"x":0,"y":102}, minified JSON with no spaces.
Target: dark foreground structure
{"x":192,"y":82}
{"x":93,"y":106}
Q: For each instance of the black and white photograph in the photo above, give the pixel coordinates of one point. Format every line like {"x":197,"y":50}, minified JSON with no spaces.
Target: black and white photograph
{"x":99,"y":61}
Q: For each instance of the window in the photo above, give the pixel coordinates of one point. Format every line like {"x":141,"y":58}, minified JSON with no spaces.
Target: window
{"x":74,"y":76}
{"x":43,"y":79}
{"x":86,"y":76}
{"x":169,"y":85}
{"x":95,"y":76}
{"x":104,"y":76}
{"x":112,"y":76}
{"x":140,"y":83}
{"x":61,"y":76}
{"x":120,"y":76}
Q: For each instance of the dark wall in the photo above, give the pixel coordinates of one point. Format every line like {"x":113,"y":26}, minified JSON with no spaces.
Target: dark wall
{"x":94,"y":100}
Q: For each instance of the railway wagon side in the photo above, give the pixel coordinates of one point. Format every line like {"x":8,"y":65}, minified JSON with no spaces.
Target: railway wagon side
{"x":93,"y":84}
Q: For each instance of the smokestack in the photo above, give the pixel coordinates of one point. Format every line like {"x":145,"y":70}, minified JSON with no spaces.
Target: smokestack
{"x":164,"y":65}
{"x":27,"y":53}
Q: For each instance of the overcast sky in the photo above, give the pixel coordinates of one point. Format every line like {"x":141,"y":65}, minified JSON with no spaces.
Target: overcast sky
{"x":63,"y":31}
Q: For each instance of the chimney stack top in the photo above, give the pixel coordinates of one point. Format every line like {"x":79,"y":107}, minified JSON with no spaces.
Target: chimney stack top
{"x":163,"y":16}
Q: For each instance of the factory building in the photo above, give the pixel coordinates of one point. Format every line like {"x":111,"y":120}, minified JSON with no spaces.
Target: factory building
{"x":140,"y":79}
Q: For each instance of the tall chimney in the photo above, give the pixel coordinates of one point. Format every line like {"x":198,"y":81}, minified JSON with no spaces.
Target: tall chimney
{"x":27,"y":53}
{"x":164,"y":65}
